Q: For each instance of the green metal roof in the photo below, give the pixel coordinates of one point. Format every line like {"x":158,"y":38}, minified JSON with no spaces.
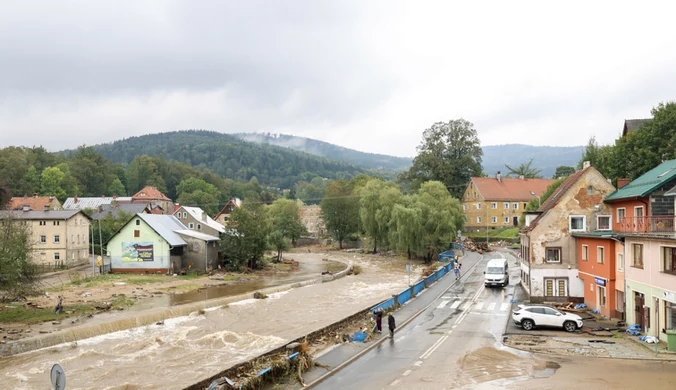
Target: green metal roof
{"x":646,"y":183}
{"x":596,"y":234}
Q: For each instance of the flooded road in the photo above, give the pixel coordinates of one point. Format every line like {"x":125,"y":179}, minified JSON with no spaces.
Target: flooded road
{"x":187,"y":349}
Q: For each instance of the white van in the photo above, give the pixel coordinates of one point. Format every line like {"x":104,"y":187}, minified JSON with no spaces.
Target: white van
{"x":497,"y":273}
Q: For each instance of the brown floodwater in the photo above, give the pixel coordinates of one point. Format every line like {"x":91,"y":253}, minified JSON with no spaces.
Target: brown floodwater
{"x":184,"y":350}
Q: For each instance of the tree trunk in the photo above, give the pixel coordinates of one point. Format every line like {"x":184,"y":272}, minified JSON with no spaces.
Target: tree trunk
{"x":375,"y":245}
{"x":340,"y":244}
{"x":409,"y":252}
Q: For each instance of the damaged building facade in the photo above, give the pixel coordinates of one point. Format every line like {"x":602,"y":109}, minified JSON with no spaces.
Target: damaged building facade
{"x":549,"y":264}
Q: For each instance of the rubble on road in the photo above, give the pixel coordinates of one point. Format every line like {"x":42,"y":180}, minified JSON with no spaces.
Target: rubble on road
{"x":473,"y":246}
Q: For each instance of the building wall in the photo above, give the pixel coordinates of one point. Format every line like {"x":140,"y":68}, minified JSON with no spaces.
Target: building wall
{"x":199,"y":255}
{"x":628,"y":206}
{"x":595,"y":275}
{"x":552,"y":232}
{"x":620,"y":264}
{"x":73,"y":246}
{"x":311,"y":217}
{"x":574,"y":284}
{"x":493,"y":213}
{"x":198,"y":224}
{"x":161,"y":249}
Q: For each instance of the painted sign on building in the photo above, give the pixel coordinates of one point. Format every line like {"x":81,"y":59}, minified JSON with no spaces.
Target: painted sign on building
{"x":133,"y":252}
{"x":600,"y":281}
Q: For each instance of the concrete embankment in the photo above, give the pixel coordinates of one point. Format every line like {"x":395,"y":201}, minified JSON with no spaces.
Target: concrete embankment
{"x":148,"y":317}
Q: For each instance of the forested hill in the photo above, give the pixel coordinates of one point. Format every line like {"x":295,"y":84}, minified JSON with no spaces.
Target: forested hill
{"x":545,"y":158}
{"x":330,"y":151}
{"x":230,"y":157}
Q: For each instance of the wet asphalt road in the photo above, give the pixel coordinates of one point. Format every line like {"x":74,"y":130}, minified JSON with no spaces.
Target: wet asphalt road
{"x":426,"y":353}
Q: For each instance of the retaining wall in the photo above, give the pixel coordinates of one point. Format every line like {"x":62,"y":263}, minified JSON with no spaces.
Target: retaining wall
{"x":144,"y":318}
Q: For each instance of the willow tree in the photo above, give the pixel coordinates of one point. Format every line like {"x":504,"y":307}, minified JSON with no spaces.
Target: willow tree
{"x":340,"y":210}
{"x":441,"y":217}
{"x":377,"y":200}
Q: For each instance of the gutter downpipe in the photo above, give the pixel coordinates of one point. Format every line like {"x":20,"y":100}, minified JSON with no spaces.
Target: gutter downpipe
{"x":171,"y":248}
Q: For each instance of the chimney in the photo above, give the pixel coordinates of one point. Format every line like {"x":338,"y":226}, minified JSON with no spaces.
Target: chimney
{"x":522,"y":177}
{"x":204,"y":216}
{"x":586,"y":164}
{"x":75,"y":200}
{"x":498,"y":177}
{"x":35,"y":194}
{"x":114,"y":196}
{"x":26,"y":208}
{"x":622,"y":182}
{"x":46,"y":208}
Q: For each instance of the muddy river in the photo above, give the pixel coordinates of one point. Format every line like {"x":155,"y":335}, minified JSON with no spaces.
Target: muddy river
{"x":187,"y":349}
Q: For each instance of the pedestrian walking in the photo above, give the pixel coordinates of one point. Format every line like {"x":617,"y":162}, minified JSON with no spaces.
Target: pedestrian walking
{"x":457,"y":271}
{"x":379,"y":320}
{"x":391,"y":324}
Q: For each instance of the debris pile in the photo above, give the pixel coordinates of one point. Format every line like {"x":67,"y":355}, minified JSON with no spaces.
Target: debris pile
{"x":571,"y":306}
{"x":473,"y":246}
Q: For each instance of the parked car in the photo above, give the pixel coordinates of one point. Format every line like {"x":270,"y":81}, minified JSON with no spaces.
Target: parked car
{"x":528,"y":317}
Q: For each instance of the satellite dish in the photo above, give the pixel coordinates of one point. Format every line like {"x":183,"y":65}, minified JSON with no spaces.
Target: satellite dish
{"x":58,"y":377}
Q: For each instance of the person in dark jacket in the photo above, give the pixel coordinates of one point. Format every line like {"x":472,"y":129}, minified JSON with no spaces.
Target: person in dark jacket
{"x":391,"y":324}
{"x":379,"y":320}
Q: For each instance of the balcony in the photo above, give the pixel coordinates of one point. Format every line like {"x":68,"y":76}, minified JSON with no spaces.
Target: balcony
{"x":663,"y":224}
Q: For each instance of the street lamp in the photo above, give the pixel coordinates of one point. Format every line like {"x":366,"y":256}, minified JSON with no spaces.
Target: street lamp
{"x":534,"y":194}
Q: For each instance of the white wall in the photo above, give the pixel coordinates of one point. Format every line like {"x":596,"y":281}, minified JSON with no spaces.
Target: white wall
{"x":537,"y":276}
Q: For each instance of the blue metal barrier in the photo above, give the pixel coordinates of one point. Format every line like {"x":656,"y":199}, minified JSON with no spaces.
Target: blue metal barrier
{"x":404,"y":296}
{"x":383,"y":305}
{"x":418,"y":287}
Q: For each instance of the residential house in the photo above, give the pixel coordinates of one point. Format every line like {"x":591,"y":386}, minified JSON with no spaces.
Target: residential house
{"x":197,"y":219}
{"x":115,"y":210}
{"x":34,"y":202}
{"x":60,"y":237}
{"x":632,"y":125}
{"x":150,"y":243}
{"x":549,"y":266}
{"x":644,"y":219}
{"x":311,"y":217}
{"x":93,"y":203}
{"x":224,"y":215}
{"x":498,"y":202}
{"x":155,"y":198}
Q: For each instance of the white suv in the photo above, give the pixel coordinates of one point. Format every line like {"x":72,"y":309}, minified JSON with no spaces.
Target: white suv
{"x":531,"y":316}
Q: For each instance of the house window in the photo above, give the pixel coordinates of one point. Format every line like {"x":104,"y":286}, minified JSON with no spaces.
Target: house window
{"x":191,"y":225}
{"x":138,"y":222}
{"x":515,"y":206}
{"x":57,"y":256}
{"x":478,"y":206}
{"x":637,"y":255}
{"x":603,"y":222}
{"x":505,"y":205}
{"x":57,"y":239}
{"x":576,"y":223}
{"x":464,"y":207}
{"x":78,"y":238}
{"x":556,"y":287}
{"x":43,"y":223}
{"x":620,"y":262}
{"x":57,"y":223}
{"x":619,"y":301}
{"x":553,"y":255}
{"x":601,"y":296}
{"x":585,"y":252}
{"x":43,"y":239}
{"x":478,"y":219}
{"x":506,"y":220}
{"x":137,"y":233}
{"x":621,"y":214}
{"x":199,"y":226}
{"x":185,"y":215}
{"x":494,"y":205}
{"x":494,"y":219}
{"x":670,"y":315}
{"x":600,"y":252}
{"x":590,"y":190}
{"x":669,"y":260}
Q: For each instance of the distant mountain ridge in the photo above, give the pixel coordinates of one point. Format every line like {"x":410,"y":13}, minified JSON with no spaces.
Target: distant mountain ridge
{"x":329,"y":151}
{"x":545,"y":158}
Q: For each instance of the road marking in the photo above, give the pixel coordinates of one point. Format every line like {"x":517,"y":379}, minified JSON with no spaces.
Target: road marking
{"x":504,"y":306}
{"x":396,"y":382}
{"x":491,"y":306}
{"x":418,"y":363}
{"x":433,"y":348}
{"x":442,"y":304}
{"x":467,"y":306}
{"x":479,"y":305}
{"x":455,"y":304}
{"x":406,"y":372}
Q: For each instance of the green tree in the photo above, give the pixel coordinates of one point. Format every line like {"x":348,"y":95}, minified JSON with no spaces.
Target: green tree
{"x":143,"y":171}
{"x":340,"y":210}
{"x":69,"y":184}
{"x":247,"y":243}
{"x":441,"y":216}
{"x":525,"y":169}
{"x":406,"y":226}
{"x":450,"y":153}
{"x":563,"y":171}
{"x":377,"y":200}
{"x":208,"y":202}
{"x":109,"y":225}
{"x":193,"y":184}
{"x":18,"y":272}
{"x":279,"y":243}
{"x":285,"y":218}
{"x":117,"y":188}
{"x":91,"y":171}
{"x":32,"y":179}
{"x":51,"y":180}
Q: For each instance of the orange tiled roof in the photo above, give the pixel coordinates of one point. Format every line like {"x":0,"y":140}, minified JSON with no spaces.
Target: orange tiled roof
{"x":37,"y":203}
{"x":510,"y":189}
{"x":149,"y":193}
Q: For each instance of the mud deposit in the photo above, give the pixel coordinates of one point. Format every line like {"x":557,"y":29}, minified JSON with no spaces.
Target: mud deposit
{"x":488,"y":364}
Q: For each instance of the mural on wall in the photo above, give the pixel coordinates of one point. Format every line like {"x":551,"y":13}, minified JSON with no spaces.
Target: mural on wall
{"x":133,"y":252}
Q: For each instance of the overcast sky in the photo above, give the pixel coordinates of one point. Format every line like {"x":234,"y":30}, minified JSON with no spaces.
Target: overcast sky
{"x":369,"y":75}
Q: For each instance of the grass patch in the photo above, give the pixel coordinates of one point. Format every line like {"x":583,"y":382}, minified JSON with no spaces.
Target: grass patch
{"x":107,"y":279}
{"x":122,"y":302}
{"x":510,"y":233}
{"x":31,"y":315}
{"x":281,"y":266}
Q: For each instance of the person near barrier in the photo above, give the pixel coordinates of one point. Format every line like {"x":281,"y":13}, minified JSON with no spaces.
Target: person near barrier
{"x":456,"y":270}
{"x":391,"y":324}
{"x":379,"y":319}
